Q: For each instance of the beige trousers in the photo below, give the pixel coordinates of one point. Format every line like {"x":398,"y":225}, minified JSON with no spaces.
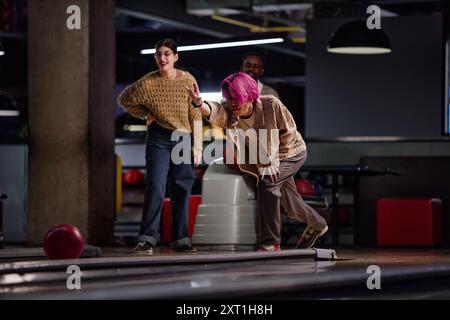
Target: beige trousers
{"x":284,"y":192}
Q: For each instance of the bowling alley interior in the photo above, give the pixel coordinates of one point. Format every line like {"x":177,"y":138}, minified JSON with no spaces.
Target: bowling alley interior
{"x":94,"y":206}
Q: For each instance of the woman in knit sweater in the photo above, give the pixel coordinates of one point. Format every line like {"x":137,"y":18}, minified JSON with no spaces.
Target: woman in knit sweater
{"x":161,"y":99}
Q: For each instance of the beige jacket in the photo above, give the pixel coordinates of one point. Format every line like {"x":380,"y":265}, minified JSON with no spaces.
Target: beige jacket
{"x":270,"y":113}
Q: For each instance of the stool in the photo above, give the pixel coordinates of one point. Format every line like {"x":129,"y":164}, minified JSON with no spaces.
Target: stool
{"x":166,"y":236}
{"x":409,"y":222}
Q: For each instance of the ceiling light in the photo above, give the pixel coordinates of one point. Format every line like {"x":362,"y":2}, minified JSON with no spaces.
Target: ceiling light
{"x":9,"y":113}
{"x":355,"y":38}
{"x":221,"y":45}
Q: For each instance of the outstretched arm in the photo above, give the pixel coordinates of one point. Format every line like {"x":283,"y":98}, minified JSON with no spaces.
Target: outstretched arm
{"x":198,"y":102}
{"x":213,"y":111}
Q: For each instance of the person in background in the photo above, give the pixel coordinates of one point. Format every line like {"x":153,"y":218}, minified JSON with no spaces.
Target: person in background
{"x":253,"y":65}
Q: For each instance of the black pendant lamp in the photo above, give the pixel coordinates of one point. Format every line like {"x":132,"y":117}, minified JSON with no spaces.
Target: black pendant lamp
{"x":355,"y":37}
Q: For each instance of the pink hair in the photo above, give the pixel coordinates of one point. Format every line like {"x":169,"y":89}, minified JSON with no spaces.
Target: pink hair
{"x":240,"y":86}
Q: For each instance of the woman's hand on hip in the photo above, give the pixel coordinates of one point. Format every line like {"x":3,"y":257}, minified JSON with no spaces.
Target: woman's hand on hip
{"x":149,"y":120}
{"x":197,"y":160}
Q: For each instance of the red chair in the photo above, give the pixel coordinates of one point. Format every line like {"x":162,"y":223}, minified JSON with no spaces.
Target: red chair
{"x":409,"y":221}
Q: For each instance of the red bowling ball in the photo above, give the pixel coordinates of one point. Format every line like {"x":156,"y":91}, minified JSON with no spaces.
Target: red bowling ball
{"x":63,"y":241}
{"x":305,"y":187}
{"x":133,"y":177}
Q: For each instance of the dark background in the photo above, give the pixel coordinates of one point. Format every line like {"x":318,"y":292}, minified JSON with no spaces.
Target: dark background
{"x":395,"y":94}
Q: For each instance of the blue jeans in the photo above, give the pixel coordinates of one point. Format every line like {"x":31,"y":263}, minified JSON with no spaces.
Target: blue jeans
{"x":159,"y":166}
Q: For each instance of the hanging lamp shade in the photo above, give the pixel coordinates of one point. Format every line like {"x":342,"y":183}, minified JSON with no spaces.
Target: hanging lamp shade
{"x":355,"y":38}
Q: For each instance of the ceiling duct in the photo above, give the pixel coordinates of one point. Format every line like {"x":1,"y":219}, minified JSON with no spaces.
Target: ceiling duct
{"x":230,"y":7}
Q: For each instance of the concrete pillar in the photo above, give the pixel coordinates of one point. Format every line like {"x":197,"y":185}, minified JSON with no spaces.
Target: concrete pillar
{"x":71,"y":79}
{"x":446,"y":15}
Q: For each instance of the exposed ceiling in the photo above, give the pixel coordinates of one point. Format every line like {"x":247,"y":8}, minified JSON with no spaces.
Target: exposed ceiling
{"x":141,"y":23}
{"x":237,"y":18}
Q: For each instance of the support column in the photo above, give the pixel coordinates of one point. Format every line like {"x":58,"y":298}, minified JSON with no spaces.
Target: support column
{"x":71,"y":79}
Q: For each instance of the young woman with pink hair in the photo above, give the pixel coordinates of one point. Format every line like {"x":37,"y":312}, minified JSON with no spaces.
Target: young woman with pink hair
{"x":245,"y":110}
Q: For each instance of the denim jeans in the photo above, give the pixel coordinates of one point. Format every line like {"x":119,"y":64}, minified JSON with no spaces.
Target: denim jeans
{"x":181,"y":178}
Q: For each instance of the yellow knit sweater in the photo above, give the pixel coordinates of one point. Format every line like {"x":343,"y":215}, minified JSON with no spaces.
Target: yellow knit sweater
{"x":167,"y":101}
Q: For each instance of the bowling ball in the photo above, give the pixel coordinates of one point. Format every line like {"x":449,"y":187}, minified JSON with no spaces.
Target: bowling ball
{"x":305,"y":187}
{"x":133,"y":177}
{"x":321,"y":178}
{"x":63,"y":241}
{"x":317,"y":188}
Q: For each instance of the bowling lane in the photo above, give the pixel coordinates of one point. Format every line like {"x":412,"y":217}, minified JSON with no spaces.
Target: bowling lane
{"x":136,"y":260}
{"x":154,"y":282}
{"x":109,"y":276}
{"x":405,"y":274}
{"x":37,"y":253}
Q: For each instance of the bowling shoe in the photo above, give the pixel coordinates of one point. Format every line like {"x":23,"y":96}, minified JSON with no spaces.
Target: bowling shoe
{"x":143,"y":247}
{"x":309,"y":237}
{"x":188,"y":248}
{"x":268,"y":248}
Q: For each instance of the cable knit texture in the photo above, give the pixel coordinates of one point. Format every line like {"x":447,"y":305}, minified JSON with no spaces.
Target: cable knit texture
{"x":167,"y":101}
